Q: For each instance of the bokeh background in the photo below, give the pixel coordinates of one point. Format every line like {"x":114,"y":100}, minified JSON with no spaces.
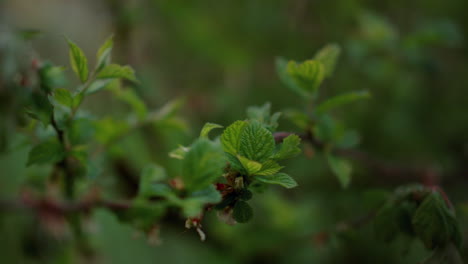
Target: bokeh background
{"x":218,"y":57}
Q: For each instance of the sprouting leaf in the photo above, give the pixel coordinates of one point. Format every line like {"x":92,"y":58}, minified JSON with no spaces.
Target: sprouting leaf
{"x":341,"y":100}
{"x":270,"y":167}
{"x":341,"y":168}
{"x":78,"y":61}
{"x":282,"y":179}
{"x":202,"y":164}
{"x":256,"y":142}
{"x":307,"y":76}
{"x":328,"y":55}
{"x":249,"y":165}
{"x":230,"y":138}
{"x":179,"y":153}
{"x":242,"y":212}
{"x":207,"y":128}
{"x":435,"y":224}
{"x":289,"y":148}
{"x":117,"y":71}
{"x":104,"y":53}
{"x":262,"y":115}
{"x":64,"y":97}
{"x":49,"y":151}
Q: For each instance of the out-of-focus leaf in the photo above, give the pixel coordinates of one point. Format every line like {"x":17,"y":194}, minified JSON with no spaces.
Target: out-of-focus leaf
{"x":49,"y":151}
{"x":136,"y":103}
{"x":51,"y":77}
{"x":282,"y":179}
{"x":203,"y":164}
{"x":298,"y":118}
{"x":435,"y":224}
{"x":289,"y":148}
{"x":341,"y":168}
{"x":340,"y":100}
{"x":151,"y":175}
{"x":263,"y":115}
{"x":117,"y":71}
{"x":64,"y":97}
{"x":307,"y":75}
{"x":445,"y":255}
{"x":242,"y":212}
{"x":194,"y":203}
{"x":207,"y":128}
{"x":104,"y":54}
{"x":179,"y":153}
{"x":328,"y":55}
{"x":78,"y":61}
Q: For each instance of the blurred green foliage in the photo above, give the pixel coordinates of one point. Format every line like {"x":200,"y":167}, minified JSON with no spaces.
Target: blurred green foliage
{"x":210,"y":60}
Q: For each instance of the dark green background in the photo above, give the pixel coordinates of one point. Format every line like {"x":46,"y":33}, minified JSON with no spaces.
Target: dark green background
{"x":219,"y":55}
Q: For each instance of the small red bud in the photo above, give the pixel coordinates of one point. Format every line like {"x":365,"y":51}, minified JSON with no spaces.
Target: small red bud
{"x":220,"y":186}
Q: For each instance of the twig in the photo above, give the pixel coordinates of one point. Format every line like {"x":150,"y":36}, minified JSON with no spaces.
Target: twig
{"x":385,"y":169}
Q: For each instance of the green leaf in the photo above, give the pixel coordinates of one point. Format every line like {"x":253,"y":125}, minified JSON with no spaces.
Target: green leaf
{"x":78,"y":61}
{"x":270,"y":167}
{"x":179,"y":153}
{"x":298,"y":118}
{"x":281,"y":69}
{"x":104,"y":53}
{"x":235,"y":164}
{"x":64,"y":97}
{"x":51,"y":77}
{"x":282,"y":179}
{"x":143,"y":214}
{"x":385,"y":222}
{"x":262,"y":115}
{"x":341,"y":168}
{"x":117,"y":71}
{"x":448,"y":254}
{"x":340,"y":100}
{"x":250,"y":166}
{"x":49,"y":151}
{"x":289,"y":148}
{"x":203,"y":164}
{"x":242,"y":212}
{"x":435,"y":224}
{"x":151,"y":175}
{"x":256,"y":142}
{"x":245,"y":195}
{"x":98,"y":85}
{"x":306,"y":76}
{"x":230,"y":139}
{"x":130,"y":97}
{"x":196,"y":201}
{"x":207,"y":128}
{"x":328,"y":56}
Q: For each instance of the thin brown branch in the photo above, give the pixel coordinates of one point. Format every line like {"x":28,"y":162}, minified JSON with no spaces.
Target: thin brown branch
{"x":388,"y":170}
{"x":27,"y":202}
